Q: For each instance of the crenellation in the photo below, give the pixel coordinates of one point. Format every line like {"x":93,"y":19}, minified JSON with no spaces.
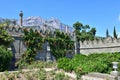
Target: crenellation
{"x":81,"y":43}
{"x":118,"y":40}
{"x":96,"y":46}
{"x":90,"y":42}
{"x":109,"y":40}
{"x":95,"y":42}
{"x":85,"y":42}
{"x":115,"y":40}
{"x":100,"y":41}
{"x":99,"y":46}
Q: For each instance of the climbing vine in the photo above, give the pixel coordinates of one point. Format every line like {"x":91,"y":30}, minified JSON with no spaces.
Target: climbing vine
{"x":60,"y":44}
{"x":33,"y":41}
{"x":5,"y":38}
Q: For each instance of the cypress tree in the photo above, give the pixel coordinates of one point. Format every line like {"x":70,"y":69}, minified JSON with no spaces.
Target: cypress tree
{"x":114,"y":33}
{"x":107,"y":33}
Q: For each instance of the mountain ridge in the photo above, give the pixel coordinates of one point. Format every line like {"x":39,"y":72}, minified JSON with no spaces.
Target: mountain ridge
{"x":38,"y":23}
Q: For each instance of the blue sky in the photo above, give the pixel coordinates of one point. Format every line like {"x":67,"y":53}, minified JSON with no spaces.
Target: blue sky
{"x":101,"y":14}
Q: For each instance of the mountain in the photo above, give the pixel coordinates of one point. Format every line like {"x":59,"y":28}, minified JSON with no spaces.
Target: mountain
{"x":38,"y":23}
{"x":2,"y":20}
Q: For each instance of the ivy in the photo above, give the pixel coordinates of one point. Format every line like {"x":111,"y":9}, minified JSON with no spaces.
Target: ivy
{"x":34,"y":42}
{"x":5,"y":38}
{"x":60,"y":44}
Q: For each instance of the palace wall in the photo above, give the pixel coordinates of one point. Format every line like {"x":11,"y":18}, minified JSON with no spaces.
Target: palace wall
{"x":105,"y":45}
{"x":87,"y":47}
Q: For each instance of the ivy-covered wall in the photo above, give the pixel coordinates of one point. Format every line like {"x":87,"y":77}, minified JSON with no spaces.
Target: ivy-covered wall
{"x":87,"y":47}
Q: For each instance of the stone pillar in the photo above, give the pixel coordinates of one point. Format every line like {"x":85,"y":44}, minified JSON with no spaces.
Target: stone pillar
{"x":66,"y":29}
{"x":48,"y":55}
{"x":21,"y":18}
{"x":77,"y":45}
{"x":74,"y":39}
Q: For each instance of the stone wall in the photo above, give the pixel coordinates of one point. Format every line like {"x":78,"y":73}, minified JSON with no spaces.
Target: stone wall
{"x":18,"y":46}
{"x":87,"y":47}
{"x":105,"y":45}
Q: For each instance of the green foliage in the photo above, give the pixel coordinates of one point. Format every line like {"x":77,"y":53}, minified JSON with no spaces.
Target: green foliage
{"x":64,"y":63}
{"x":59,"y":76}
{"x":5,"y":55}
{"x":82,"y":64}
{"x":107,"y":33}
{"x":114,"y":33}
{"x":33,"y":41}
{"x":5,"y":38}
{"x":84,"y":32}
{"x":36,"y":64}
{"x":60,"y":44}
{"x":5,"y":58}
{"x":77,"y":26}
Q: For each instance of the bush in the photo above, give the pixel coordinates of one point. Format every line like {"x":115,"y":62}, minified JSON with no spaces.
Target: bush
{"x":5,"y":58}
{"x":60,"y":76}
{"x":64,"y":63}
{"x":82,"y":64}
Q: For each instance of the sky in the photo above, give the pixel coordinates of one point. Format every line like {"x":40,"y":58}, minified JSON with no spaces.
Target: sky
{"x":101,"y":14}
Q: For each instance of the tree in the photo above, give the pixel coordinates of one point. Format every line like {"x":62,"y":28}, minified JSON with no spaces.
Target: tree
{"x":84,"y":32}
{"x":5,"y":55}
{"x":86,"y":27}
{"x":107,"y":33}
{"x":5,"y":38}
{"x":114,"y":33}
{"x":77,"y":26}
{"x":93,"y":31}
{"x":5,"y":58}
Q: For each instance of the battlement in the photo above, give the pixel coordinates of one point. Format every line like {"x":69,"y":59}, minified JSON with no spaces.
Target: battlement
{"x":14,"y":30}
{"x":98,"y":46}
{"x":105,"y":41}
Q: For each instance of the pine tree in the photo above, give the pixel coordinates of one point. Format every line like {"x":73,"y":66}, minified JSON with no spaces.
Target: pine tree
{"x":114,"y":33}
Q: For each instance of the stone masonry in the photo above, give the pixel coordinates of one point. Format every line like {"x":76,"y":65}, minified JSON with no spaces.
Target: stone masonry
{"x":105,"y":45}
{"x":87,"y":47}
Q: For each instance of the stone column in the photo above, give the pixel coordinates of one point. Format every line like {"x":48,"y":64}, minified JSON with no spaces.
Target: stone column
{"x":21,"y":18}
{"x":66,"y":29}
{"x":48,"y":55}
{"x":74,"y":39}
{"x":76,"y":44}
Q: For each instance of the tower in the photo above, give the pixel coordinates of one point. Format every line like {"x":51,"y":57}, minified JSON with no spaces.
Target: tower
{"x":21,"y":18}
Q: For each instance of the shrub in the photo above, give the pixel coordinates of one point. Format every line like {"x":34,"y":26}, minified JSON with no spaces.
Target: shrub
{"x":82,"y":64}
{"x":64,"y":63}
{"x":5,"y":58}
{"x":60,"y":76}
